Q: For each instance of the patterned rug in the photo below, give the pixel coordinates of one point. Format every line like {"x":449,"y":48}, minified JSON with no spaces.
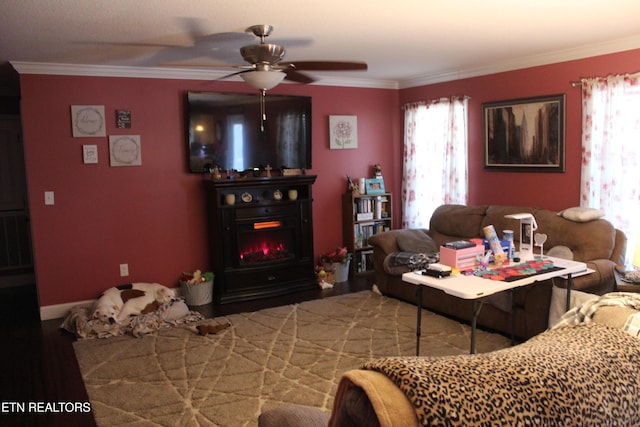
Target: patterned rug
{"x":289,"y":354}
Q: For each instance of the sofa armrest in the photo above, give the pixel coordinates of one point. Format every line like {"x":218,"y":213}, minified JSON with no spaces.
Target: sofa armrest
{"x":383,"y":244}
{"x":600,"y":282}
{"x":387,"y":242}
{"x":620,"y":248}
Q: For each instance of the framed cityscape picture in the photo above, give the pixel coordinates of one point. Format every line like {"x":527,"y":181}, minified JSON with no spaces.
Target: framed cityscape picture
{"x":525,"y":134}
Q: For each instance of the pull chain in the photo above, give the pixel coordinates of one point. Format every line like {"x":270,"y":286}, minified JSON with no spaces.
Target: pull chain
{"x":263,"y":109}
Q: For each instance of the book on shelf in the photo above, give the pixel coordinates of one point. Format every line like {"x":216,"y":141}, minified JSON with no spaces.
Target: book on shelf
{"x":366,"y":261}
{"x":363,"y":230}
{"x":363,"y":216}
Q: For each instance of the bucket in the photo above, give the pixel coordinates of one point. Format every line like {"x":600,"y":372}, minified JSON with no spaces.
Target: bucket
{"x":197,"y":294}
{"x":341,"y":271}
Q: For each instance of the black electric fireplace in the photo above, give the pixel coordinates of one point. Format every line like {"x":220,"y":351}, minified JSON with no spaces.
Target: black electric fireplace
{"x":261,"y":236}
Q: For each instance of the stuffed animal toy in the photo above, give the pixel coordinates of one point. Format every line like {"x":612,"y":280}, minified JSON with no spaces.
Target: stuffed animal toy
{"x":212,"y":329}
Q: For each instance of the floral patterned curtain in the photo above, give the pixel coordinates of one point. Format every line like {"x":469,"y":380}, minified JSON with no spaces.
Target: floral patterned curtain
{"x":435,"y":158}
{"x":611,"y":152}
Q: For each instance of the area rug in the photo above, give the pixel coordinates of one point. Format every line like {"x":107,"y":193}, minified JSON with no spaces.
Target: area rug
{"x":289,"y":354}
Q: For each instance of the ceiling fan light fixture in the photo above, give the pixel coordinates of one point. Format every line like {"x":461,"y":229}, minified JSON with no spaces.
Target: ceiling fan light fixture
{"x":263,"y":80}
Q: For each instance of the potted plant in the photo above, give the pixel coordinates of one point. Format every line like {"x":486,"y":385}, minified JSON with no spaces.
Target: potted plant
{"x":338,"y":262}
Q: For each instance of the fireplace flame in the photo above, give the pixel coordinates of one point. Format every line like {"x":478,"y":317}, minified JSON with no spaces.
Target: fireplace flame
{"x":264,"y":252}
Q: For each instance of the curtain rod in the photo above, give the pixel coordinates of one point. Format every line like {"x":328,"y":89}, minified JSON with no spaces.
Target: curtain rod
{"x":576,"y":84}
{"x":434,"y":101}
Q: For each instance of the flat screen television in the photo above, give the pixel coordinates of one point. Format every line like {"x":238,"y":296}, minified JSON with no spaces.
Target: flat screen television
{"x":226,"y":130}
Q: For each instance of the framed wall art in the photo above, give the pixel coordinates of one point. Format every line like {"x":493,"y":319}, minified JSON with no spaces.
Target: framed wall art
{"x":87,"y":121}
{"x":90,"y":154}
{"x":343,"y":132}
{"x":125,"y":150}
{"x":374,"y":186}
{"x":525,"y":134}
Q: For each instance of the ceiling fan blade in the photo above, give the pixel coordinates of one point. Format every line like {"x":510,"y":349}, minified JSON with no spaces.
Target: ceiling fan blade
{"x":193,"y":27}
{"x":296,"y":76}
{"x":130,"y":44}
{"x":205,"y":65}
{"x":233,"y":74}
{"x":327,"y":65}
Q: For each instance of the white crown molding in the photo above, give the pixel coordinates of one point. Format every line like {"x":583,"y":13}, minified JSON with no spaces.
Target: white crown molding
{"x":47,"y":68}
{"x":620,"y":45}
{"x":587,"y":51}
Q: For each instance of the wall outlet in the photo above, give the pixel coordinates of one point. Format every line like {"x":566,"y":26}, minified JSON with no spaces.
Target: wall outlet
{"x":124,"y":270}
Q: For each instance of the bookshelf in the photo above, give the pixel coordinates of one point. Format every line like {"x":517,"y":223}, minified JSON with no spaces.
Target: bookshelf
{"x":364,"y":215}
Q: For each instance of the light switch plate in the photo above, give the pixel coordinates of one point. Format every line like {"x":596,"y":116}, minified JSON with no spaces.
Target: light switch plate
{"x":124,"y":270}
{"x":49,"y":198}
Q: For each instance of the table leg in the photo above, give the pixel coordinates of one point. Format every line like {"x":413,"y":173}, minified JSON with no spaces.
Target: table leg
{"x":513,"y":316}
{"x":569,"y":287}
{"x":477,"y":306}
{"x":419,"y":321}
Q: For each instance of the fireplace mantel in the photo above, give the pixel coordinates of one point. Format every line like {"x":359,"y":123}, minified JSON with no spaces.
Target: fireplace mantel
{"x":260,"y":236}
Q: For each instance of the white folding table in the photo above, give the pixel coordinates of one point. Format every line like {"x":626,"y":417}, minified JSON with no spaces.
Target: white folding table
{"x":475,"y":288}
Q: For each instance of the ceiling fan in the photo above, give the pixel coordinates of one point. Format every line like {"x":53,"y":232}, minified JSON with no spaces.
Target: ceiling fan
{"x":265,"y":69}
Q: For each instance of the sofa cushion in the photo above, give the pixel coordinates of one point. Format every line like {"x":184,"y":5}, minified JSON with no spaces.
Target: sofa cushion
{"x":496,"y":216}
{"x":416,"y":241}
{"x":587,"y":240}
{"x":453,"y":222}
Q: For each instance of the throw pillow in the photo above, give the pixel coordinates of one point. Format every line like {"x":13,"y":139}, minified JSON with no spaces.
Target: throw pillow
{"x":560,"y":252}
{"x":580,"y":214}
{"x":416,"y":241}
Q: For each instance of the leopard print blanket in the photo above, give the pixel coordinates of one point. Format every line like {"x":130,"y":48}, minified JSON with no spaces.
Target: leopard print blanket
{"x":580,"y":375}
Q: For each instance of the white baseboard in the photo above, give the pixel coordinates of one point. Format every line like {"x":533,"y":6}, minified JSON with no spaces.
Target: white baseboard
{"x":59,"y":311}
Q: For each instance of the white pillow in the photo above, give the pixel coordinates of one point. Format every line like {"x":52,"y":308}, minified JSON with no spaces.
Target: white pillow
{"x":560,"y":252}
{"x":559,"y":302}
{"x":580,"y":214}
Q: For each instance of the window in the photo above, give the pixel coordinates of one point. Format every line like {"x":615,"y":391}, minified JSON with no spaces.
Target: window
{"x":236,"y":124}
{"x":611,"y":152}
{"x":435,"y":158}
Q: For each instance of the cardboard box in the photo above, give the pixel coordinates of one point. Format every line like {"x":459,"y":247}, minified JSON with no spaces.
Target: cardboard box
{"x":462,"y":259}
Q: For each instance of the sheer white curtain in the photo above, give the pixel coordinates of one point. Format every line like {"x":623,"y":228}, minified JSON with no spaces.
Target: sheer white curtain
{"x":435,"y":158}
{"x":611,"y":152}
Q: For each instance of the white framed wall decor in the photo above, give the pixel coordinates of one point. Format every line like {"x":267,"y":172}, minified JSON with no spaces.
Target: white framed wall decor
{"x":90,"y":154}
{"x":343,"y":132}
{"x":88,"y":121}
{"x":125,"y":150}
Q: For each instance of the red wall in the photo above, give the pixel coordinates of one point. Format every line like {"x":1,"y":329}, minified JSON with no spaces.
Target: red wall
{"x":152,"y":217}
{"x":550,"y":190}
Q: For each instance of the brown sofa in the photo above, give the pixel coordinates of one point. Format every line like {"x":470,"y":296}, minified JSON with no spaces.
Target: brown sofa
{"x":595,"y":242}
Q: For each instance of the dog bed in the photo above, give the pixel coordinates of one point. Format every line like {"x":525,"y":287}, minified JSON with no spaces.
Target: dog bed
{"x":168,"y":315}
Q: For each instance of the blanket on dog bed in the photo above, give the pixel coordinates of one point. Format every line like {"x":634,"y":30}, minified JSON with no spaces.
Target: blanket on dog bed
{"x":577,"y":375}
{"x":168,"y":315}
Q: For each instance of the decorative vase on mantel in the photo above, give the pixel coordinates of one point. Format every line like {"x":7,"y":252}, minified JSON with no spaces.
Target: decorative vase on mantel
{"x":340,"y":271}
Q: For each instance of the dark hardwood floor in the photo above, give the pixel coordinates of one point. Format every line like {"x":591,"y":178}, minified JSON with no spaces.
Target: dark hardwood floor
{"x":38,"y":364}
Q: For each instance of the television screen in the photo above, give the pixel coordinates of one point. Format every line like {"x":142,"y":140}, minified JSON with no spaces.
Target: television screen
{"x":228,"y":130}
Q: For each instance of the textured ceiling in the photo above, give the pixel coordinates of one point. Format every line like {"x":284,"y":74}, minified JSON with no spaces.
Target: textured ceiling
{"x":405,"y":42}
